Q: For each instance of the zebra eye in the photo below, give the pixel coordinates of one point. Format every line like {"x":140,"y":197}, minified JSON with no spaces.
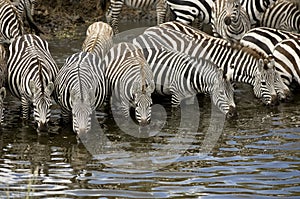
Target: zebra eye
{"x":194,"y":11}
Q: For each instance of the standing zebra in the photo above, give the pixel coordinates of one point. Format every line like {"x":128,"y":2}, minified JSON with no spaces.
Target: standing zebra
{"x":182,"y":77}
{"x":229,"y":20}
{"x":282,"y":15}
{"x":130,"y":80}
{"x":98,"y":39}
{"x":287,"y":59}
{"x":264,"y":39}
{"x":80,"y":89}
{"x":31,"y":72}
{"x":255,"y":9}
{"x":10,"y":24}
{"x":114,"y":10}
{"x":248,"y":65}
{"x":2,"y":80}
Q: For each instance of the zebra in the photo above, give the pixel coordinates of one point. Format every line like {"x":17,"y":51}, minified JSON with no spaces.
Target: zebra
{"x":183,"y":76}
{"x":11,"y":26}
{"x":282,"y":15}
{"x":129,"y":80}
{"x":255,"y":9}
{"x":26,"y":7}
{"x":264,"y":39}
{"x":229,"y":20}
{"x":249,"y":66}
{"x":79,"y":89}
{"x":114,"y":10}
{"x":30,"y":74}
{"x":2,"y":80}
{"x":287,"y":59}
{"x":98,"y":38}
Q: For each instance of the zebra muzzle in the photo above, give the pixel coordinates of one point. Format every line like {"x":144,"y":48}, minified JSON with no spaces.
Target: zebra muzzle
{"x":231,"y":112}
{"x":42,"y":127}
{"x":227,"y":20}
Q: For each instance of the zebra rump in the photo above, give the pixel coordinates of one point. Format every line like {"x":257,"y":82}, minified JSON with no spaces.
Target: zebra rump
{"x":31,"y":73}
{"x":98,"y":39}
{"x":182,"y":77}
{"x":80,"y":89}
{"x":130,"y":80}
{"x":249,"y":66}
{"x":287,"y":59}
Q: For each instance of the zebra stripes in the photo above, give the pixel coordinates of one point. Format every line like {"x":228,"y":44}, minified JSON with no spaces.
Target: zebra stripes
{"x":114,"y":10}
{"x":130,"y":80}
{"x":182,"y":77}
{"x":282,"y":15}
{"x":31,"y":72}
{"x":248,"y":65}
{"x":229,"y":20}
{"x":98,"y":39}
{"x":80,"y":89}
{"x":10,"y":24}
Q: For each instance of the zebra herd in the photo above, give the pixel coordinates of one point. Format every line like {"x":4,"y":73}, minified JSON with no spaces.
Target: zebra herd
{"x":171,"y":59}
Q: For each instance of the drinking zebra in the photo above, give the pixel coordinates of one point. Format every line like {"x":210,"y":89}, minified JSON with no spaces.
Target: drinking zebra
{"x":287,"y":59}
{"x":264,"y":39}
{"x":80,"y":89}
{"x":98,"y":39}
{"x":229,"y":20}
{"x":114,"y":10}
{"x":31,"y":72}
{"x":255,"y":9}
{"x":10,"y":24}
{"x":2,"y":80}
{"x":284,"y":15}
{"x":130,"y":80}
{"x":182,"y":77}
{"x":249,"y":66}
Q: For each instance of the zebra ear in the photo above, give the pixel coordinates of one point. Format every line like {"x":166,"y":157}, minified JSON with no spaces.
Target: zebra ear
{"x":151,"y":87}
{"x":2,"y":93}
{"x":49,"y":89}
{"x":260,"y":65}
{"x":135,"y":87}
{"x":32,"y":87}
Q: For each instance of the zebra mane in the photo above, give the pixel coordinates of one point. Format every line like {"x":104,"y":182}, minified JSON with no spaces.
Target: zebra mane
{"x":255,"y":53}
{"x":80,"y":83}
{"x":41,"y":78}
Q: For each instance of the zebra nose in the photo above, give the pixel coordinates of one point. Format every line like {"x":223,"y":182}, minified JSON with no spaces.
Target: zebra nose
{"x":231,"y":112}
{"x":285,"y":96}
{"x":274,"y":100}
{"x":144,"y":122}
{"x":43,"y":127}
{"x":227,"y":20}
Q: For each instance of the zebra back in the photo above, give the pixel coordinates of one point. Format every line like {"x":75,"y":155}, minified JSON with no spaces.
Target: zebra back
{"x":10,"y":24}
{"x":229,"y":19}
{"x":249,"y":66}
{"x":31,"y":72}
{"x":282,"y":15}
{"x":130,"y":80}
{"x":80,"y":89}
{"x":98,"y":39}
{"x":287,"y":59}
{"x":255,"y":9}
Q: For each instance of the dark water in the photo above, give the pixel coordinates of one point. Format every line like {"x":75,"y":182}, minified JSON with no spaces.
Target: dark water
{"x":190,"y":152}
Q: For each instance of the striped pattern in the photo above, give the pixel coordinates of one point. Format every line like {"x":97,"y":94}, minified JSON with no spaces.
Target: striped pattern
{"x":114,"y":10}
{"x":229,"y":20}
{"x":10,"y":24}
{"x":31,"y":72}
{"x":2,"y":80}
{"x":130,"y":80}
{"x":255,"y":9}
{"x":249,"y":66}
{"x":182,"y":77}
{"x":80,"y":89}
{"x":98,"y":39}
{"x":287,"y":59}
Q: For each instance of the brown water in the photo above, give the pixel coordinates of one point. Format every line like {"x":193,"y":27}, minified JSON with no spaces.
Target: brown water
{"x":191,"y":152}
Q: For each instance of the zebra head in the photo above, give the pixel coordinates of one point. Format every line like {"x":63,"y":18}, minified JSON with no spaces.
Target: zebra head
{"x":232,"y":10}
{"x":2,"y":96}
{"x":42,"y":102}
{"x":264,"y":81}
{"x":82,"y":110}
{"x":222,"y":94}
{"x":143,"y":102}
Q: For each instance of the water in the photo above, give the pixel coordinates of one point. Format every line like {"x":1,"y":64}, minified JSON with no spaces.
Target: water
{"x":193,"y":152}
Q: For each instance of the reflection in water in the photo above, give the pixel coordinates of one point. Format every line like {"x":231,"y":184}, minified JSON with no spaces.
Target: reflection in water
{"x":189,"y":154}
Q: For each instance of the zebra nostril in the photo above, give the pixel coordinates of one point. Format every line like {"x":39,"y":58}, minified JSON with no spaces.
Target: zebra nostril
{"x":231,"y":112}
{"x":43,"y":127}
{"x":227,"y":21}
{"x":144,"y":122}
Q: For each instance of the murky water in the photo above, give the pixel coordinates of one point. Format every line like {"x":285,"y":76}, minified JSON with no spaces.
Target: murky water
{"x":190,"y":152}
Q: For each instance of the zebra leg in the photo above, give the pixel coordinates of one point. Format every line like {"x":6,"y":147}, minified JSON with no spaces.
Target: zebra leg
{"x":161,"y":9}
{"x":25,"y":108}
{"x":113,"y":20}
{"x":65,"y":116}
